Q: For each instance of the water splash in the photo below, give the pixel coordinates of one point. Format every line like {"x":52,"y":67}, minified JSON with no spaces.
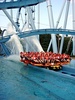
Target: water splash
{"x":33,"y":44}
{"x":14,"y":45}
{"x":15,"y":58}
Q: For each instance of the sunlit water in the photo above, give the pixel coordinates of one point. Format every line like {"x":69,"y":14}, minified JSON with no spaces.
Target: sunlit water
{"x":21,"y":82}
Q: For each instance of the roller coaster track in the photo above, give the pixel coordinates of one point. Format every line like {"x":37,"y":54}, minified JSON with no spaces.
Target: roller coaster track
{"x":5,"y":4}
{"x":38,"y":32}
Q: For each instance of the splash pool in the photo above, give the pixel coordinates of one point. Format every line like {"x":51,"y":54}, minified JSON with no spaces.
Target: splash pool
{"x":22,"y":82}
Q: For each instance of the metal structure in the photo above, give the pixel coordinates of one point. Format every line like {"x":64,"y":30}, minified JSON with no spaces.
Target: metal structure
{"x":23,"y":82}
{"x":28,"y":5}
{"x":73,"y":11}
{"x":65,"y":24}
{"x":5,"y":4}
{"x":38,"y":32}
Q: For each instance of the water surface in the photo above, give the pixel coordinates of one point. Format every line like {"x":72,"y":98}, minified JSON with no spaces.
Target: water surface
{"x":22,"y":82}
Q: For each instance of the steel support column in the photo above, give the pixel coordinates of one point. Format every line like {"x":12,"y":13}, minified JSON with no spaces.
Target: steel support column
{"x":65,"y":23}
{"x":51,"y":23}
{"x":73,"y":9}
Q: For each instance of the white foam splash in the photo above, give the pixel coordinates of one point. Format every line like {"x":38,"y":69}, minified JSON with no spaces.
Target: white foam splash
{"x":14,"y":45}
{"x":15,"y":58}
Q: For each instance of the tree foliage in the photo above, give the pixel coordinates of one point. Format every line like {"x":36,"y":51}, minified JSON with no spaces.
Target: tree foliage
{"x":45,"y":39}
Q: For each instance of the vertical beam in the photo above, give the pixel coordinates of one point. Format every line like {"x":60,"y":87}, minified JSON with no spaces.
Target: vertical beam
{"x":11,"y":12}
{"x":27,"y":26}
{"x":18,"y":15}
{"x":51,"y":23}
{"x":73,"y":15}
{"x":30,"y":18}
{"x":30,"y":22}
{"x":65,"y":23}
{"x":38,"y":16}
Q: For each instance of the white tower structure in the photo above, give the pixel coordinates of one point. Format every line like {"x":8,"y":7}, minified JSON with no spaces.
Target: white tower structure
{"x":73,"y":11}
{"x":51,"y":23}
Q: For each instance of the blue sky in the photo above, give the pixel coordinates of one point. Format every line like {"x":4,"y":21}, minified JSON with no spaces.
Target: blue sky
{"x":56,"y":7}
{"x":43,"y":15}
